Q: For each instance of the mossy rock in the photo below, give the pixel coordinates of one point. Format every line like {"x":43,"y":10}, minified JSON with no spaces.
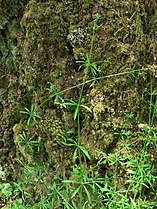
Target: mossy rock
{"x":41,"y":44}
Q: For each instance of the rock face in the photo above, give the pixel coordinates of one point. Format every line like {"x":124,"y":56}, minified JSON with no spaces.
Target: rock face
{"x":40,"y":44}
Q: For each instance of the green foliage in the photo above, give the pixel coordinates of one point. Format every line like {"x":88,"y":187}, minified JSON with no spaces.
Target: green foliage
{"x":7,"y":190}
{"x":89,"y":187}
{"x":18,"y":204}
{"x":10,"y":191}
{"x":32,"y":113}
{"x":64,"y":103}
{"x":69,"y":142}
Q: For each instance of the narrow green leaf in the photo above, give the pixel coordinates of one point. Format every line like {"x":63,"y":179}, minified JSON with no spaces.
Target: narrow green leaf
{"x":76,"y":112}
{"x":94,"y":66}
{"x":24,"y":112}
{"x":69,"y":132}
{"x":92,"y":186}
{"x":74,"y":156}
{"x":87,"y":192}
{"x":70,"y":140}
{"x":83,"y":149}
{"x":87,"y":108}
{"x":29,"y":121}
{"x":69,"y":181}
{"x":69,"y":145}
{"x":96,"y":27}
{"x":87,"y":58}
{"x":52,"y":95}
{"x":74,"y":205}
{"x":75,"y":192}
{"x":70,"y":104}
{"x":131,"y":171}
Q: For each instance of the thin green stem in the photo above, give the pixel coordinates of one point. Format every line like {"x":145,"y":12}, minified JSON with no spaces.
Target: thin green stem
{"x":91,"y":45}
{"x":150,"y":101}
{"x":79,"y":135}
{"x":87,"y":66}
